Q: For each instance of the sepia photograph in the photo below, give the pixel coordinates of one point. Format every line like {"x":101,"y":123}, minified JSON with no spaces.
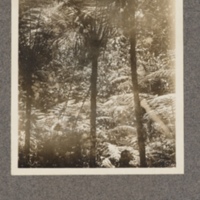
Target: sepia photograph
{"x":97,"y":87}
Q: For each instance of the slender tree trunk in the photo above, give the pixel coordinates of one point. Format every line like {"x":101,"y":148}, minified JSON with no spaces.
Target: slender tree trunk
{"x":93,"y":109}
{"x":28,"y":117}
{"x":138,"y":110}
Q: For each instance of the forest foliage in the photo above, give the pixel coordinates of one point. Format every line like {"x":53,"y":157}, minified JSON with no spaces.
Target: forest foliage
{"x":58,"y":41}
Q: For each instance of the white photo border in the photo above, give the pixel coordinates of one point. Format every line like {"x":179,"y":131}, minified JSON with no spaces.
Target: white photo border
{"x":179,"y":169}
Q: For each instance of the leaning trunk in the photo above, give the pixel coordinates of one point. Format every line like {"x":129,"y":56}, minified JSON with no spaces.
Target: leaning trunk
{"x":93,"y":110}
{"x":138,"y":110}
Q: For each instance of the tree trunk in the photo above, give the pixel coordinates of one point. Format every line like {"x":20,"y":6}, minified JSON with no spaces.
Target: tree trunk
{"x":138,"y":110}
{"x":93,"y":110}
{"x":28,"y":117}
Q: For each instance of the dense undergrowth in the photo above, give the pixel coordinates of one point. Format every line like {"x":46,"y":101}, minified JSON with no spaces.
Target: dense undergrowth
{"x":60,"y":98}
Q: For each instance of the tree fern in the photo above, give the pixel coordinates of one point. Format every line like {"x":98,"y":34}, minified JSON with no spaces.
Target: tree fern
{"x":158,"y":82}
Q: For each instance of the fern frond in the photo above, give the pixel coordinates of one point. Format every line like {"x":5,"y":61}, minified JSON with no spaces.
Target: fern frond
{"x":123,"y":130}
{"x":119,"y":79}
{"x":164,"y":103}
{"x":117,"y":100}
{"x":158,"y":81}
{"x":163,"y":73}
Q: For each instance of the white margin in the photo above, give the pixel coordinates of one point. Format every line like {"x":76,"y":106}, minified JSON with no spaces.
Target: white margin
{"x":179,"y":169}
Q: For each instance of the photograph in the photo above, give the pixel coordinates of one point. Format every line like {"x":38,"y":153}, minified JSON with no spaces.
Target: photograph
{"x":97,"y":87}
